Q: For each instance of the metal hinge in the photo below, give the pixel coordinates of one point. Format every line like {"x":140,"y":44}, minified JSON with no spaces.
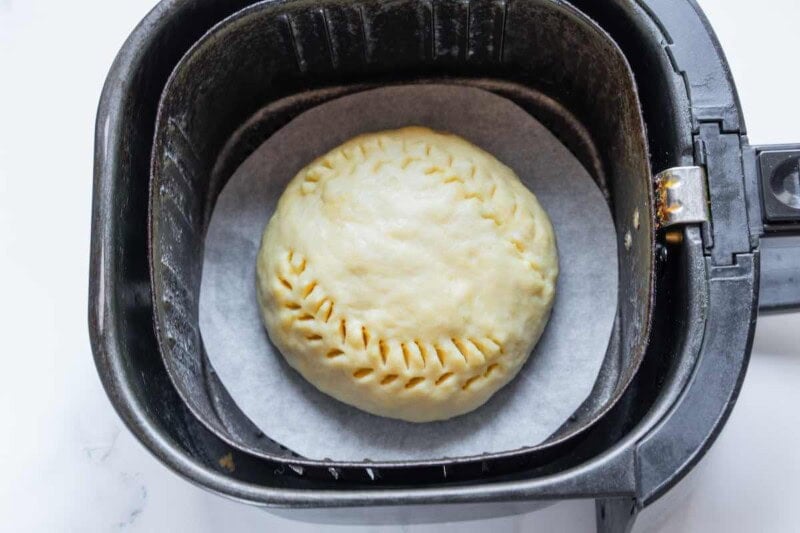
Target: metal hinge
{"x":681,"y":196}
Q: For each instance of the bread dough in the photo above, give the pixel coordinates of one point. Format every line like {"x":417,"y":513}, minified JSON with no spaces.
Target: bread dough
{"x":408,"y":273}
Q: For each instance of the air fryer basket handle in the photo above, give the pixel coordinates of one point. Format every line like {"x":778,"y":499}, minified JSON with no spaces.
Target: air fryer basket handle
{"x":778,"y":170}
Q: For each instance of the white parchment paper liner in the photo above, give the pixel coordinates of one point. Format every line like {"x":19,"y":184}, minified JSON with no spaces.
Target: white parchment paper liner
{"x":559,"y":374}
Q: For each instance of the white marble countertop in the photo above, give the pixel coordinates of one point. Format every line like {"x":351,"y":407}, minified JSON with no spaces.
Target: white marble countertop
{"x":68,"y":464}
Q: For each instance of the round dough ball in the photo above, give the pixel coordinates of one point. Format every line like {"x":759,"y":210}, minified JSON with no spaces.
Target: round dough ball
{"x":408,"y":273}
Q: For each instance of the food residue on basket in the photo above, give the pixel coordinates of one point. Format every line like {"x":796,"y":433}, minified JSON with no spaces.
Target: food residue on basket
{"x":226,"y":462}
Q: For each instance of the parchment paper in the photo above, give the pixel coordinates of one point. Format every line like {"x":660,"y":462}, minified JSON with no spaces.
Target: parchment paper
{"x":559,"y":374}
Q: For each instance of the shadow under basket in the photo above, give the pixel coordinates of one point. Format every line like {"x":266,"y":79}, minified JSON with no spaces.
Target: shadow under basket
{"x":261,"y":67}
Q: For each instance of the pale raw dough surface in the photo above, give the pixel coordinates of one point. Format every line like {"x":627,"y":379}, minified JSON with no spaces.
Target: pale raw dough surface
{"x":408,"y":273}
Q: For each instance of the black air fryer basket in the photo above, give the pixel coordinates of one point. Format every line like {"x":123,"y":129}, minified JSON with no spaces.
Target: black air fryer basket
{"x":703,"y":220}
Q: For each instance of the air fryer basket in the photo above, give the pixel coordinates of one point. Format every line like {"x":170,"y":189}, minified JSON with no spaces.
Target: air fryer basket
{"x":707,"y":280}
{"x":257,"y":70}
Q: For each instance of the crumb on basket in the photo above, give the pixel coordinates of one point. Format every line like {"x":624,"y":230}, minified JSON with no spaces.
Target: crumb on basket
{"x":226,"y":462}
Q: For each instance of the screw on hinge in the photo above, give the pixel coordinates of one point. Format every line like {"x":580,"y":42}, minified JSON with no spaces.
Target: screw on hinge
{"x":681,"y":196}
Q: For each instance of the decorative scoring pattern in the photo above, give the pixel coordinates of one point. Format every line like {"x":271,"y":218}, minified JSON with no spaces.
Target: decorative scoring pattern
{"x":307,"y":310}
{"x":310,"y":312}
{"x":474,"y":181}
